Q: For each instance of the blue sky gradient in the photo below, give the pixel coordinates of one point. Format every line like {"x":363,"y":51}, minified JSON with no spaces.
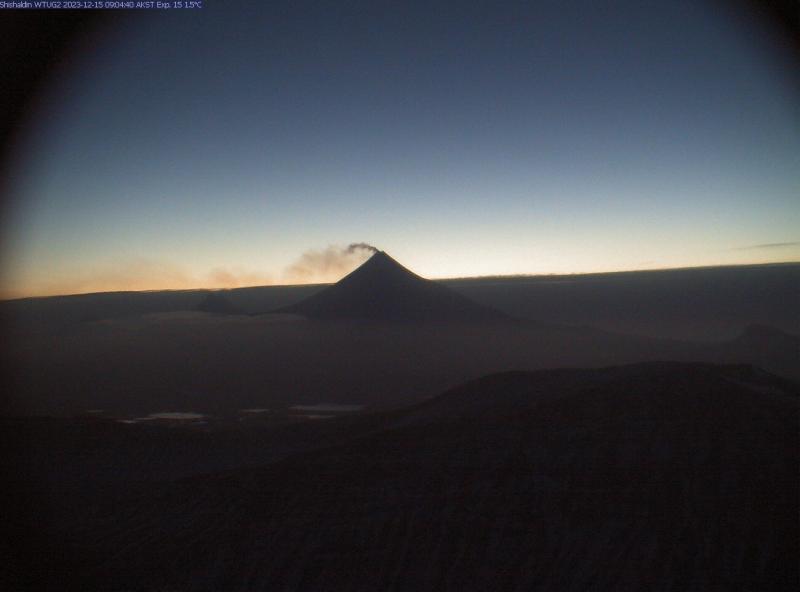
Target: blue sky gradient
{"x":211,"y":148}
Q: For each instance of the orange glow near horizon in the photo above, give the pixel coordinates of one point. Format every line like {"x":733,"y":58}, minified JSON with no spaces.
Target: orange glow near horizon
{"x":143,"y":275}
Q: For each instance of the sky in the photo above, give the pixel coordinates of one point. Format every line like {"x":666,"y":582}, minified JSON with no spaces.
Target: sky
{"x":219,"y":147}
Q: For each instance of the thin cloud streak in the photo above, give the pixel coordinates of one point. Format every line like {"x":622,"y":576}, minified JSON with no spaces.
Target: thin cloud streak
{"x":768,"y":246}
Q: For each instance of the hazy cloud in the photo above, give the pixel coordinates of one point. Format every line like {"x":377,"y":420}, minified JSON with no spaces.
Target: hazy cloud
{"x":128,"y":274}
{"x":769,"y":246}
{"x":140,"y":274}
{"x":328,"y":265}
{"x":234,"y":277}
{"x":133,"y":274}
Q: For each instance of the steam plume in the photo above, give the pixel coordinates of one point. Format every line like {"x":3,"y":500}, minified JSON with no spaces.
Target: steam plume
{"x":353,"y":247}
{"x":328,"y":265}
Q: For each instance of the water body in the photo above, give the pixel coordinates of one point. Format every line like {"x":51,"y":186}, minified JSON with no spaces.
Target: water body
{"x":328,"y":408}
{"x":168,"y":415}
{"x":175,"y":415}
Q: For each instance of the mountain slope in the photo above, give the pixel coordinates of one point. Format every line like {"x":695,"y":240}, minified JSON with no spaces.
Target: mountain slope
{"x":660,"y":476}
{"x":382,"y":289}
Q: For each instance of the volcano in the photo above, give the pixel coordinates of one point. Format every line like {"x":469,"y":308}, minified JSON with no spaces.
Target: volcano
{"x":382,"y":289}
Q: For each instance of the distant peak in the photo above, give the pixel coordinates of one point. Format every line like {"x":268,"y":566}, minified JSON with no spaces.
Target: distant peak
{"x":381,"y":255}
{"x":382,"y":263}
{"x":381,"y":288}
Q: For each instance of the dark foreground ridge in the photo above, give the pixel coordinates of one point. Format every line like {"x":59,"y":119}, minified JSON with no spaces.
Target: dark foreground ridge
{"x":655,"y":476}
{"x":217,"y":303}
{"x":382,"y":289}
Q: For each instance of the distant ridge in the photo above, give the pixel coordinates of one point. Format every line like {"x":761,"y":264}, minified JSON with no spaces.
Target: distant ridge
{"x":382,"y":289}
{"x":584,"y":391}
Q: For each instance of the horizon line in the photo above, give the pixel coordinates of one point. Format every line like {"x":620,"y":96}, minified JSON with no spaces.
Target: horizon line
{"x":436,"y":279}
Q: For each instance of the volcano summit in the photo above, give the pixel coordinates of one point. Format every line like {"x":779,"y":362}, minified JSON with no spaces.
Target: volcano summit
{"x":382,"y":289}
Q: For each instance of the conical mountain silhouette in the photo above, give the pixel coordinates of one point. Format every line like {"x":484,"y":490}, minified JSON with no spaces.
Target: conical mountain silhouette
{"x":382,"y":289}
